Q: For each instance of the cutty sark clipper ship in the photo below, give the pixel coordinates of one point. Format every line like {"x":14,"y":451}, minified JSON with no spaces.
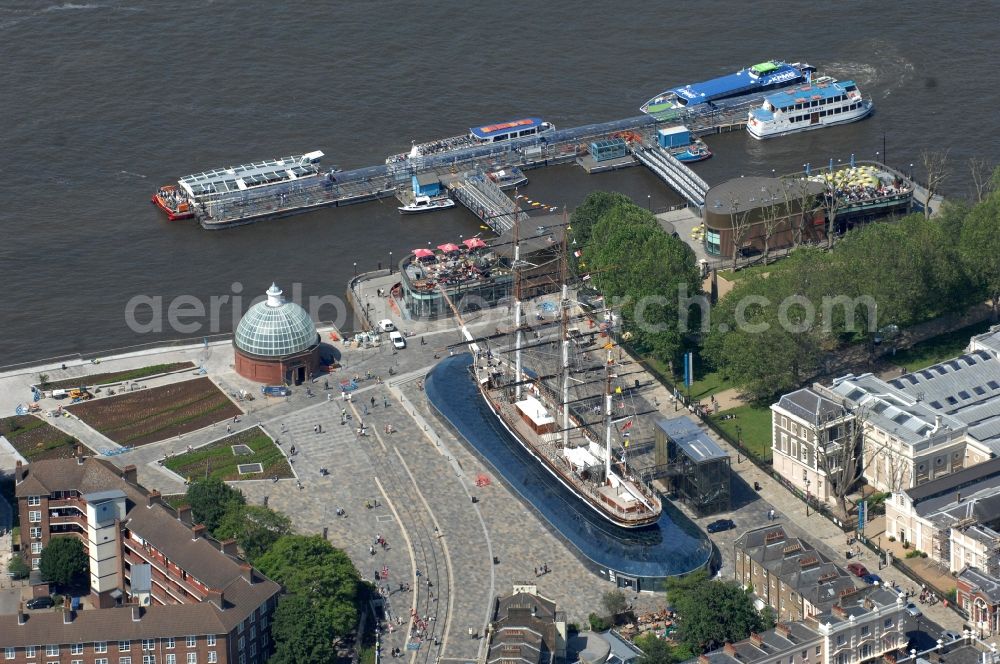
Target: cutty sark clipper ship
{"x":570,"y":449}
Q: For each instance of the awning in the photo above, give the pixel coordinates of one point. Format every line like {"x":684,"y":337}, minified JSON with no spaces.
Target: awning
{"x":449,"y":248}
{"x":474,"y":243}
{"x":423,"y":253}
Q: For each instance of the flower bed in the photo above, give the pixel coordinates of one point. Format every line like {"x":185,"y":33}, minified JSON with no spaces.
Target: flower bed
{"x":217,"y":459}
{"x":149,"y":416}
{"x":36,"y":439}
{"x":118,"y":376}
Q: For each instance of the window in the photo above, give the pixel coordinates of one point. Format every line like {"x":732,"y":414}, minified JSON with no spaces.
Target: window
{"x":242,"y":641}
{"x":192,"y":658}
{"x":864,"y":630}
{"x":840,"y":639}
{"x":76,"y":649}
{"x":124,"y":646}
{"x":170,"y":643}
{"x":34,"y":516}
{"x":253,"y":650}
{"x":36,"y":547}
{"x":124,"y":660}
{"x":253,"y":633}
{"x":36,"y":532}
{"x":100,"y":646}
{"x":35,"y":562}
{"x":8,"y":653}
{"x":29,"y":651}
{"x":149,"y":659}
{"x":149,"y":644}
{"x":817,"y":649}
{"x":101,"y":660}
{"x":210,"y":640}
{"x":76,"y":661}
{"x":212,"y":658}
{"x":52,"y":650}
{"x":190,"y":641}
{"x":171,"y":659}
{"x":888,"y":622}
{"x":34,"y":501}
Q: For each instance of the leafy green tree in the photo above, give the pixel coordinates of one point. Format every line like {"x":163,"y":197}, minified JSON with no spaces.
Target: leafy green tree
{"x":254,"y":528}
{"x":655,"y":650}
{"x":18,"y":568}
{"x":209,"y":500}
{"x":63,"y":561}
{"x":309,"y":566}
{"x":700,"y":602}
{"x":586,"y":215}
{"x":301,"y":632}
{"x":980,"y":248}
{"x":614,"y":602}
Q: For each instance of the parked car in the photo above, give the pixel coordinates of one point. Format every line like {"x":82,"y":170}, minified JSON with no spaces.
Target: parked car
{"x":912,"y":609}
{"x":948,"y":636}
{"x":872,"y":579}
{"x":397,"y":340}
{"x":720,"y":526}
{"x":386,"y":325}
{"x":40,"y":603}
{"x":857,"y":569}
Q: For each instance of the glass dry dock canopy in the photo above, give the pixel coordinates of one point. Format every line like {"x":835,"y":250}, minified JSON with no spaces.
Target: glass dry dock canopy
{"x":276,"y":341}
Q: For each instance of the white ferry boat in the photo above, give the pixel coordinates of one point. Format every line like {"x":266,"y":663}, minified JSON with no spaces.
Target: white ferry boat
{"x":814,"y":106}
{"x":427,"y":204}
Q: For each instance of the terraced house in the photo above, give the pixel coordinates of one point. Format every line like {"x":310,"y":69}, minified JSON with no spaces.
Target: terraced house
{"x":161,"y":591}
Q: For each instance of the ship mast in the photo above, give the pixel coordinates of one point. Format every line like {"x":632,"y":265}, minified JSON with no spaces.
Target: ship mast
{"x":607,"y":414}
{"x":516,"y":267}
{"x":563,"y":327}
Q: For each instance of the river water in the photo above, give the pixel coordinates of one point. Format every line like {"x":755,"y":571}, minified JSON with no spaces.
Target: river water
{"x":104,"y":101}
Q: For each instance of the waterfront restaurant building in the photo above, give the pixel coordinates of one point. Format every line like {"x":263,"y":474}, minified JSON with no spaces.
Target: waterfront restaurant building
{"x":161,"y":590}
{"x":276,"y":342}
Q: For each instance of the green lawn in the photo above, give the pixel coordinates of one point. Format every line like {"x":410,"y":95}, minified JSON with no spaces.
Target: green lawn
{"x":755,"y":426}
{"x":738,"y":275}
{"x":937,"y":349}
{"x":704,"y":385}
{"x":176,"y":500}
{"x":217,"y":459}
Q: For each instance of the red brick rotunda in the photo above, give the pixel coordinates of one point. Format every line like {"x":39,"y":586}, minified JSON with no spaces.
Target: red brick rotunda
{"x":276,"y":342}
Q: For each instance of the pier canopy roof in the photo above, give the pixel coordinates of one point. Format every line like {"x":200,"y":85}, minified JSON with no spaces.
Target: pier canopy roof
{"x":246,"y":176}
{"x":488,"y":131}
{"x":275,"y":328}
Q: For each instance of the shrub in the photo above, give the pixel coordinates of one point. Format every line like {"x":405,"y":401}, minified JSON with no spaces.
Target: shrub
{"x":923,"y":554}
{"x":572,"y":628}
{"x":598,"y":623}
{"x":913,"y":554}
{"x":18,"y":568}
{"x":906,"y":545}
{"x":891,"y":538}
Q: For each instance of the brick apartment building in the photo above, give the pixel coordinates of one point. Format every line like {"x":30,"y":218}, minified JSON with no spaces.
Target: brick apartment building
{"x":161,"y":591}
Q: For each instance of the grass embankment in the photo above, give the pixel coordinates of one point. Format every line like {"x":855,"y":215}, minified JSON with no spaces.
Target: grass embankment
{"x":36,"y":439}
{"x":754,"y":428}
{"x":117,"y":376}
{"x":217,"y":459}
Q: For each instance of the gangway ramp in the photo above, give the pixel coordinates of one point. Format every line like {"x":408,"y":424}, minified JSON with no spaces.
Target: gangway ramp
{"x":486,"y":200}
{"x":681,"y":178}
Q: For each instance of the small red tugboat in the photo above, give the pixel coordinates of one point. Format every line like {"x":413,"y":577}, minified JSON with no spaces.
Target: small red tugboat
{"x":168,"y":199}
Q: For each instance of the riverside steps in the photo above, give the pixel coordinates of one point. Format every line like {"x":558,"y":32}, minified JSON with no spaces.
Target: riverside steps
{"x":559,"y":146}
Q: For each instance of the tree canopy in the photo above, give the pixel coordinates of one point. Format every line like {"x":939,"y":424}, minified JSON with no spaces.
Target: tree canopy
{"x":63,"y":561}
{"x":308,"y":566}
{"x":300,"y":633}
{"x":980,"y":247}
{"x":209,"y":500}
{"x":699,"y":602}
{"x":254,"y":528}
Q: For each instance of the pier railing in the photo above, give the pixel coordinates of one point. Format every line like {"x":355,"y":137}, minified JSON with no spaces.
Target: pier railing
{"x":488,"y":202}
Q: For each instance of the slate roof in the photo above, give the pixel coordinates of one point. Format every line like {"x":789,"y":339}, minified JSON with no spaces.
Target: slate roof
{"x":981,"y":582}
{"x":809,"y":405}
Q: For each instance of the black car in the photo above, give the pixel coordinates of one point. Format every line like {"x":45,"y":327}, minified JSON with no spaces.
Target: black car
{"x":40,"y":603}
{"x":721,"y":525}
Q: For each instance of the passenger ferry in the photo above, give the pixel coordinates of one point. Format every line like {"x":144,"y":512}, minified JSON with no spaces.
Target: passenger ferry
{"x":769,"y":75}
{"x":813,"y":106}
{"x":487,"y":134}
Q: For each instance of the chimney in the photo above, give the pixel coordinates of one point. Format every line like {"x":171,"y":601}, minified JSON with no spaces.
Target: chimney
{"x":729,"y":649}
{"x":783,"y":629}
{"x":216,"y":597}
{"x":136,"y":613}
{"x":197,"y":531}
{"x":79,"y":459}
{"x":246,"y":570}
{"x":68,"y":613}
{"x":756,"y":640}
{"x":19,"y":473}
{"x":838,"y":611}
{"x":184,"y":514}
{"x":22,"y":617}
{"x":129,"y":474}
{"x":153,"y":497}
{"x":228,"y":547}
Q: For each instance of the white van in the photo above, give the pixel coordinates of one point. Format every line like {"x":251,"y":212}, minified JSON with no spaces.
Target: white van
{"x":397,"y":340}
{"x":386,"y":325}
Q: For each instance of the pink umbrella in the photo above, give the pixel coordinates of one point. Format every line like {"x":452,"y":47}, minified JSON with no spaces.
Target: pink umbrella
{"x":449,"y":248}
{"x":474,"y":243}
{"x":423,"y":253}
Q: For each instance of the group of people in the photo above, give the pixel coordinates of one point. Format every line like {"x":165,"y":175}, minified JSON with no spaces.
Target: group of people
{"x":457,"y":269}
{"x":856,"y":193}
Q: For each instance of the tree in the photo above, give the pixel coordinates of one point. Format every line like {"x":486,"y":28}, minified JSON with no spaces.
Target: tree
{"x":43,"y":380}
{"x":980,"y":248}
{"x":982,"y":182}
{"x":614,"y":603}
{"x":209,"y":500}
{"x":656,"y":650}
{"x":300,"y":633}
{"x":63,"y":561}
{"x":771,"y":219}
{"x":311,"y":567}
{"x":935,"y":165}
{"x":254,"y":528}
{"x":18,"y":568}
{"x":740,"y":224}
{"x":832,"y":202}
{"x":700,"y":602}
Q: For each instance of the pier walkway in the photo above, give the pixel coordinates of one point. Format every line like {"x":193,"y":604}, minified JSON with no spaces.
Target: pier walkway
{"x":486,"y":200}
{"x":673,"y":172}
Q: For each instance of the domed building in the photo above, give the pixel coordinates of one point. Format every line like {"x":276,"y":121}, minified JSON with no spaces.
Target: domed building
{"x":276,"y":342}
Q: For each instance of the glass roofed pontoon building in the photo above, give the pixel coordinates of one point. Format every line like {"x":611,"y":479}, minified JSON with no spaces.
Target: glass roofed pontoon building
{"x":276,"y":342}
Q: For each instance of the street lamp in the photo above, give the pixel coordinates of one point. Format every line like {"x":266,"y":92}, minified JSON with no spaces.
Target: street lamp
{"x":739,"y":444}
{"x":649,"y":202}
{"x":808,"y":482}
{"x":355,"y":269}
{"x":390,"y":262}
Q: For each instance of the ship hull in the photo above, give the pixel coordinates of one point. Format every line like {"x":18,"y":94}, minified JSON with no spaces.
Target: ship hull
{"x":554,"y":472}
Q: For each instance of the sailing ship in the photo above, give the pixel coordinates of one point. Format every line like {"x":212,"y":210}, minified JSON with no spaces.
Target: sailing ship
{"x":571,"y":450}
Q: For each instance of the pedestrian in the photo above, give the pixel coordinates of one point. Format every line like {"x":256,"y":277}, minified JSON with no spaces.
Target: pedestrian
{"x":373,"y":402}
{"x":385,"y":402}
{"x":315,"y":428}
{"x":229,"y":428}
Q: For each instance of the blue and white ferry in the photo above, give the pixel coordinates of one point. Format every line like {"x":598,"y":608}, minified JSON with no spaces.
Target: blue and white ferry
{"x":813,"y":106}
{"x":770,"y":75}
